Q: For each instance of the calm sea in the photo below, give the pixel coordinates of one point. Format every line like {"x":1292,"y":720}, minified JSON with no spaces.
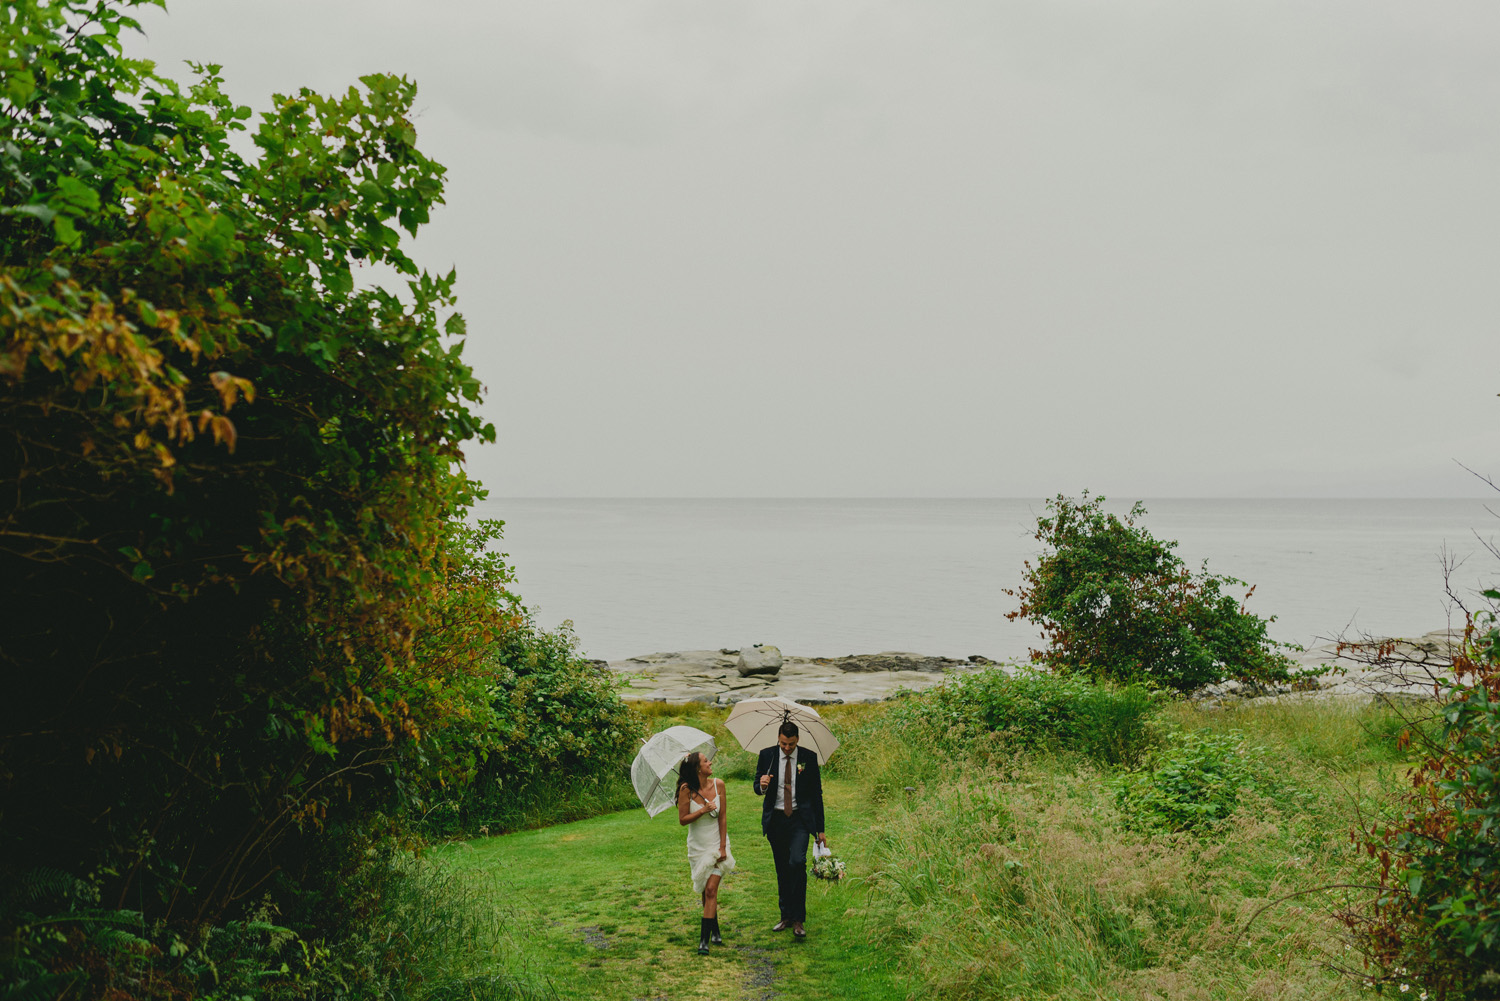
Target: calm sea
{"x":830,"y":577}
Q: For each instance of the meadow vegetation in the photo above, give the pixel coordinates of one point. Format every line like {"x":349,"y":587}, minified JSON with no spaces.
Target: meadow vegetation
{"x":1050,"y":874}
{"x":1210,"y":861}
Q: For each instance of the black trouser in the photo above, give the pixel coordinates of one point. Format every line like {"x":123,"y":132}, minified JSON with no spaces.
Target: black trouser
{"x":788,"y":837}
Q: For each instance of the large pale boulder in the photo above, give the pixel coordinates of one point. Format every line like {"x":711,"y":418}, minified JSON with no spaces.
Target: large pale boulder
{"x":763,"y":658}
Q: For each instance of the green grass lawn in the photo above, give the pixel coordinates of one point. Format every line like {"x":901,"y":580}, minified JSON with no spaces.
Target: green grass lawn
{"x":605,"y":908}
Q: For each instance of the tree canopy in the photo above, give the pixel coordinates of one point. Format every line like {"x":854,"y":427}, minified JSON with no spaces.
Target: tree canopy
{"x":1115,"y":602}
{"x":235,"y":582}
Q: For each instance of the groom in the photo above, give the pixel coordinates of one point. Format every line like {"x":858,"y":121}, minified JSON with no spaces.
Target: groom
{"x":787,"y":776}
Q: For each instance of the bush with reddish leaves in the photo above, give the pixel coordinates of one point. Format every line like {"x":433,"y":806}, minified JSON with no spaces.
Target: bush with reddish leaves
{"x":1436,"y":917}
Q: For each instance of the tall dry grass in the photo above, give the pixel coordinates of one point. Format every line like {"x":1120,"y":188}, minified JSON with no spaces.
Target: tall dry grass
{"x":1016,"y":876}
{"x":1027,"y":884}
{"x":1340,"y":734}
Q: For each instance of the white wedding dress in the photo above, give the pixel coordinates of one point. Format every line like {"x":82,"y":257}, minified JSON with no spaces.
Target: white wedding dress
{"x":703,"y":847}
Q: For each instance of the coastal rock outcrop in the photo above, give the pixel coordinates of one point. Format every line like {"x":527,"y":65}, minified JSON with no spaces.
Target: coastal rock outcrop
{"x":1390,"y":669}
{"x":714,"y":676}
{"x":894,"y":660}
{"x":1406,"y":669}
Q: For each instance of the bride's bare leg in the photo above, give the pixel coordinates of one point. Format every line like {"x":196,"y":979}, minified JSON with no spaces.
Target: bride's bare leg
{"x":711,"y":898}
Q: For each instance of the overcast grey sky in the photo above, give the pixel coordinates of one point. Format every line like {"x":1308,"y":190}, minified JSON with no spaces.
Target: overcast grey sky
{"x":945,"y":248}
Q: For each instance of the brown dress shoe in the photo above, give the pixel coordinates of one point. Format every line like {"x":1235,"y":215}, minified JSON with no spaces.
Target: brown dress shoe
{"x":798,"y":930}
{"x":781,"y":925}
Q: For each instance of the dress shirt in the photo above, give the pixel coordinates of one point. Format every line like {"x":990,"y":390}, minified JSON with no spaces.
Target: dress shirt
{"x":779,"y":779}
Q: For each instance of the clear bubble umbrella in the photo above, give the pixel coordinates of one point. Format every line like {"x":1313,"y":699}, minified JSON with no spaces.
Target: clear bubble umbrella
{"x":654,"y":770}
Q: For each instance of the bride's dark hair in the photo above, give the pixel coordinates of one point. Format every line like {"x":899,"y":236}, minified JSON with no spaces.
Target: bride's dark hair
{"x":687,"y":772}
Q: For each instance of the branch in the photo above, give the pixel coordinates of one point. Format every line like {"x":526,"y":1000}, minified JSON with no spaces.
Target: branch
{"x":1303,"y":893}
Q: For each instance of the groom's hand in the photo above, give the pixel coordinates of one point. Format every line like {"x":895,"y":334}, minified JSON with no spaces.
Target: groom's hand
{"x":765,"y":780}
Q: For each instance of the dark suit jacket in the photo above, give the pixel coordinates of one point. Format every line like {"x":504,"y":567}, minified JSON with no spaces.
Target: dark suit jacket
{"x":807,"y":784}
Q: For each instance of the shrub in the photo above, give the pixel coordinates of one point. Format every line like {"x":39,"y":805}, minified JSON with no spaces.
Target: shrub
{"x":895,"y":745}
{"x":1114,"y":602}
{"x":401,"y":928}
{"x":1193,"y":783}
{"x":1437,"y":915}
{"x":1107,"y":723}
{"x":555,"y":745}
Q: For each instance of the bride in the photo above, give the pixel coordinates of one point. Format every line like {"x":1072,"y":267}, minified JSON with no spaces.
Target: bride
{"x":701,"y":806}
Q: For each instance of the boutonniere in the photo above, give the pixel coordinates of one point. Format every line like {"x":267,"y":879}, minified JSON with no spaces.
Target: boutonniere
{"x":799,"y":769}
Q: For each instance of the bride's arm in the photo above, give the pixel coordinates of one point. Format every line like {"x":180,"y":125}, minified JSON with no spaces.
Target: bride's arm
{"x":685,"y":812}
{"x":723,"y":817}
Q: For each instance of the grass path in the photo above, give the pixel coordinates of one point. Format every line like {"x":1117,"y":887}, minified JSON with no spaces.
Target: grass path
{"x":604,"y":908}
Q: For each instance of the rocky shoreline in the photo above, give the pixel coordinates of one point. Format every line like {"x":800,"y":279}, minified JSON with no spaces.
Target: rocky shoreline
{"x":1408,"y":668}
{"x":729,"y":675}
{"x":1377,"y":668}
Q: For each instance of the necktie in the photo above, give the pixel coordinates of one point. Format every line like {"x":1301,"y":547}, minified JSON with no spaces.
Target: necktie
{"x":786,"y":789}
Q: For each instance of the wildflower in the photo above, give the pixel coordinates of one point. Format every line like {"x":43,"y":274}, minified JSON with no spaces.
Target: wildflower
{"x":1405,"y":988}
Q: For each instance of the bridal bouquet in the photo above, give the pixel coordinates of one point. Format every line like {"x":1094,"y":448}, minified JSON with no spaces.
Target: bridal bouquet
{"x":826,"y":865}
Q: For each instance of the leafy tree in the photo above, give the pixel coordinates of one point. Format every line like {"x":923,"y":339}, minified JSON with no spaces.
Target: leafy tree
{"x":1115,"y":603}
{"x":237,"y":606}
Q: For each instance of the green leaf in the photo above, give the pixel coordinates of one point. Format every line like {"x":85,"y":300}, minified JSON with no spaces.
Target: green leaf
{"x":42,"y":212}
{"x":65,"y":231}
{"x":73,"y":193}
{"x":19,"y":86}
{"x":337,"y":279}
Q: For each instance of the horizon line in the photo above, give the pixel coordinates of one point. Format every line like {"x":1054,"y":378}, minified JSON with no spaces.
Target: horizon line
{"x":1022,"y":497}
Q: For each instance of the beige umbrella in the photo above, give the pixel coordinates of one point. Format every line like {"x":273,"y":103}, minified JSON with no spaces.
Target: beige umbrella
{"x":755,"y":723}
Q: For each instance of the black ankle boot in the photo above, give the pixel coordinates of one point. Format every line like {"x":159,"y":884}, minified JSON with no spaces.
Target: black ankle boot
{"x":713,"y":931}
{"x":703,"y":937}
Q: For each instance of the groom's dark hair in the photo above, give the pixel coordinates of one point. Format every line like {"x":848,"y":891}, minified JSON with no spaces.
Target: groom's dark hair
{"x":788,"y":728}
